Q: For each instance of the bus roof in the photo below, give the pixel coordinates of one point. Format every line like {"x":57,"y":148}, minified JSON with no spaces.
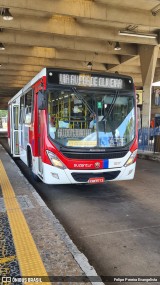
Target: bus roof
{"x":29,"y":84}
{"x":43,"y":72}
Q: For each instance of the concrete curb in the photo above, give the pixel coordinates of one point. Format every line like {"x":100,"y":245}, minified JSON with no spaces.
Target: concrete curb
{"x":148,"y":156}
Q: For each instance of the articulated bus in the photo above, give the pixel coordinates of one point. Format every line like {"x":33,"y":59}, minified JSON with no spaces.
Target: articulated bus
{"x":75,"y":127}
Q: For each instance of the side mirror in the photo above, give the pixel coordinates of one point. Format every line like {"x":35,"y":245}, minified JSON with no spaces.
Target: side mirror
{"x":41,"y":101}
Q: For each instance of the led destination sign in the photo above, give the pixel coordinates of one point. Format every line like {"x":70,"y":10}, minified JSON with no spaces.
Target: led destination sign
{"x":73,"y":133}
{"x":90,"y":81}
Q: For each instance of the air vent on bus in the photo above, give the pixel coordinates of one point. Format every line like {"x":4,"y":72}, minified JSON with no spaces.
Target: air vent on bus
{"x":78,"y":155}
{"x":84,"y":177}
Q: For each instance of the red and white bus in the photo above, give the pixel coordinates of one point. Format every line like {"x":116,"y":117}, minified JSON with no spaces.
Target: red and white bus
{"x":75,"y":127}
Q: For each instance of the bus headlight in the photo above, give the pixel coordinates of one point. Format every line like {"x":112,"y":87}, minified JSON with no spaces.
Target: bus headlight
{"x":55,"y":160}
{"x":132,"y":158}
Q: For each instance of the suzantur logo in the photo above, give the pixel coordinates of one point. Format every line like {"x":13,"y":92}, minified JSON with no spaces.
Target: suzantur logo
{"x":83,"y":165}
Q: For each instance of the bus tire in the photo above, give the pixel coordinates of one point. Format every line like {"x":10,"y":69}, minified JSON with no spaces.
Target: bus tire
{"x":35,"y":177}
{"x":30,"y":165}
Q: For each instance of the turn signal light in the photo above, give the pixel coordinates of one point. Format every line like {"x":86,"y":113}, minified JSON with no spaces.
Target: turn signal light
{"x":55,"y":160}
{"x":132,"y":158}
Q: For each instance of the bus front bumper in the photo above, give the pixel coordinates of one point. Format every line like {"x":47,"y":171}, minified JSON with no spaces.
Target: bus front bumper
{"x":54,"y":175}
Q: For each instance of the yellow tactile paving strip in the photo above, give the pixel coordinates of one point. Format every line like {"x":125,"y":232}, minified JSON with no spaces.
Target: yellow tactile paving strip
{"x":28,"y":256}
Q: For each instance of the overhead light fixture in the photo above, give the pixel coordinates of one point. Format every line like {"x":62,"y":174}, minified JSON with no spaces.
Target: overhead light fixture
{"x":155,"y":10}
{"x":7,"y":15}
{"x":2,"y":47}
{"x":117,"y":46}
{"x":137,"y":34}
{"x":89,"y":64}
{"x":0,"y":64}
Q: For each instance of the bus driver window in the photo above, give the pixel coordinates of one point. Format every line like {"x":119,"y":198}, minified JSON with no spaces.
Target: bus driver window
{"x":52,"y":126}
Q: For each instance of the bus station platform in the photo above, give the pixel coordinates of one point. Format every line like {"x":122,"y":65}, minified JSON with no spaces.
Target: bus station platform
{"x":149,"y":155}
{"x":34,"y":246}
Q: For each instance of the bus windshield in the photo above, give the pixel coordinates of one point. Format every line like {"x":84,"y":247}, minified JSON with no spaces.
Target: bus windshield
{"x":89,"y":119}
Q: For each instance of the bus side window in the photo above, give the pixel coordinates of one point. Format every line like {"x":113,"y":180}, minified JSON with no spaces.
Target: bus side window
{"x":28,"y":107}
{"x":28,"y":115}
{"x":21,"y":117}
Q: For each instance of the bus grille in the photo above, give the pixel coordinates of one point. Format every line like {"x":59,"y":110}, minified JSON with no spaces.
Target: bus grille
{"x":94,"y":155}
{"x":84,"y":177}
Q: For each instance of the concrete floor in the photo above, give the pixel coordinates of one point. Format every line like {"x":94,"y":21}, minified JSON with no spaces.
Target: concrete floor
{"x":116,"y":225}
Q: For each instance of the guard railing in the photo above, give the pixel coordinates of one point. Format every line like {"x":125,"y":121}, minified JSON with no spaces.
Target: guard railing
{"x":149,"y":139}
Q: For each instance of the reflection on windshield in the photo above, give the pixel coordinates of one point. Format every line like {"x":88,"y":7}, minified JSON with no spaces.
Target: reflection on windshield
{"x":121,"y":136}
{"x":82,"y":119}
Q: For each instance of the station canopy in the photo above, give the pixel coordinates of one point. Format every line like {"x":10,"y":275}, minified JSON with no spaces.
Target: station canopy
{"x":102,"y":35}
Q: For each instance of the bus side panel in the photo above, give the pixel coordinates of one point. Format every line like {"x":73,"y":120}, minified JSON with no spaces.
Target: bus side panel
{"x":33,"y":131}
{"x":9,"y":122}
{"x":35,"y":128}
{"x":42,"y":139}
{"x":37,"y":132}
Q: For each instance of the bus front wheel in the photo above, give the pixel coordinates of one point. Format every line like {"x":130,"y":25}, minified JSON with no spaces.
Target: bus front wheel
{"x":30,"y":165}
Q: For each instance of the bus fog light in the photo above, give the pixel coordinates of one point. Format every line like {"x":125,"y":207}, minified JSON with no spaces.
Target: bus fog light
{"x":132,"y":158}
{"x":55,"y":175}
{"x":55,"y":160}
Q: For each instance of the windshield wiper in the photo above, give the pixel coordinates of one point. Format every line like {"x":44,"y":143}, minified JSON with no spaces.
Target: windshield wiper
{"x":107,"y":115}
{"x":111,"y":106}
{"x":80,"y":97}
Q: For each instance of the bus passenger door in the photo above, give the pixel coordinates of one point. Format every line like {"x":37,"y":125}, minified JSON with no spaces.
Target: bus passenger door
{"x":41,"y":120}
{"x":40,"y":168}
{"x":14,"y":130}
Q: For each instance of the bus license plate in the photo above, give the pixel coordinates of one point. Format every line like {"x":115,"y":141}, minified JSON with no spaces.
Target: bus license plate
{"x":96,"y":180}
